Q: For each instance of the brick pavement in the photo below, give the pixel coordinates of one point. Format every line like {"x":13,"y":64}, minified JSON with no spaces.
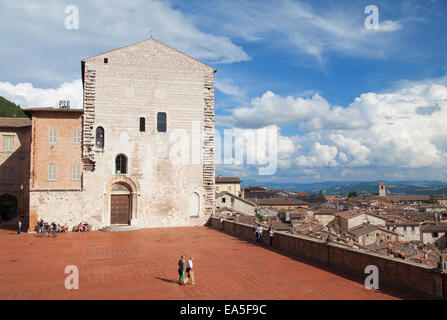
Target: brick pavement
{"x":143,"y":265}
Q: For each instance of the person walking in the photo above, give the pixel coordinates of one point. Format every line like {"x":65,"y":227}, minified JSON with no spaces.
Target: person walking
{"x":181,"y":270}
{"x":41,"y":225}
{"x":54,"y":229}
{"x":255,"y":230}
{"x":19,"y":226}
{"x":261,"y":235}
{"x":190,"y":270}
{"x":271,"y":233}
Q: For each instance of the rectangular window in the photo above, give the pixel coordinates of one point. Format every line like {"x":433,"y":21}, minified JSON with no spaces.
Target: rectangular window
{"x":412,"y":228}
{"x":52,"y":172}
{"x":7,"y":175}
{"x":142,"y":124}
{"x":434,"y":234}
{"x":76,"y":172}
{"x":217,"y":188}
{"x":405,"y":228}
{"x":8,"y":143}
{"x":53,"y":136}
{"x":229,"y":188}
{"x":76,"y":136}
{"x":161,"y":122}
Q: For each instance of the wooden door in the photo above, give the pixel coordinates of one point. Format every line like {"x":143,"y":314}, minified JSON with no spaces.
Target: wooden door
{"x":120,"y":209}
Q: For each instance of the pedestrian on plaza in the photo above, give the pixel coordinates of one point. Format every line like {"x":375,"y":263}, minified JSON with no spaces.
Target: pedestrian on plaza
{"x":190,"y":270}
{"x":255,"y":230}
{"x":261,"y":235}
{"x":54,"y":228}
{"x":41,"y":225}
{"x":271,"y":233}
{"x":19,"y":226}
{"x":181,"y":271}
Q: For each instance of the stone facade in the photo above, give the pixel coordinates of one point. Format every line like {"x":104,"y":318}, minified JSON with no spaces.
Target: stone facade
{"x":140,"y":81}
{"x":228,"y":200}
{"x":15,"y":140}
{"x":55,"y":141}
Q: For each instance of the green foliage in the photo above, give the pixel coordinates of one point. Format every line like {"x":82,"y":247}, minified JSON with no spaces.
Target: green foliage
{"x":321,"y":193}
{"x":10,"y":110}
{"x":432,"y":199}
{"x":353,"y":194}
{"x":260,"y":217}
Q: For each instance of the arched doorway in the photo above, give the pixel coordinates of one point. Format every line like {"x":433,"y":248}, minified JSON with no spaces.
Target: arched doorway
{"x":120,"y":207}
{"x":8,"y":207}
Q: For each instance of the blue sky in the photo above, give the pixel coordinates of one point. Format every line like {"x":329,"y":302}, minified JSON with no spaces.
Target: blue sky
{"x":349,"y":103}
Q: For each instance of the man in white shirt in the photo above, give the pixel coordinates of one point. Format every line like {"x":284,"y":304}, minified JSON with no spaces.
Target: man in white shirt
{"x":190,"y":269}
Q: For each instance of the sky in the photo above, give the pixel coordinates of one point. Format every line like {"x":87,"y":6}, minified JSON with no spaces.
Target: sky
{"x":349,"y":102}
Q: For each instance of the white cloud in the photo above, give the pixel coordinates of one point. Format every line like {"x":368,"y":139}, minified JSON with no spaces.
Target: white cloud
{"x":404,"y":128}
{"x":310,"y":30}
{"x":45,"y":52}
{"x":26,"y":95}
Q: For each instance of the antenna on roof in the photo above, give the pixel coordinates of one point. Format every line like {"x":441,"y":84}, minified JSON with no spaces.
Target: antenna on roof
{"x":150,"y":31}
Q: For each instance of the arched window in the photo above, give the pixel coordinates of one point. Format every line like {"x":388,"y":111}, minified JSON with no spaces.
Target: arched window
{"x":161,"y":122}
{"x":142,"y":124}
{"x":121,"y":164}
{"x":99,"y":138}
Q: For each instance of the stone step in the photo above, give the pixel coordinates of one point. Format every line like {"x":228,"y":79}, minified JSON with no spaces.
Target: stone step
{"x":116,"y":228}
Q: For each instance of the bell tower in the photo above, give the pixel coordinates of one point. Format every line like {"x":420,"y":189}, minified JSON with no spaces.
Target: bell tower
{"x":382,"y":189}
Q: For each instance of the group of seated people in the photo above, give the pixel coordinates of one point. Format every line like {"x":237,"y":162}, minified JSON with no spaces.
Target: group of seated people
{"x":83,"y":226}
{"x":45,"y":226}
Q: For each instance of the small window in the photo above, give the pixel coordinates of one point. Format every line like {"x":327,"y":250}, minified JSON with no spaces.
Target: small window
{"x":377,"y":235}
{"x":7,"y":175}
{"x":405,"y":228}
{"x":99,"y":138}
{"x":106,"y":60}
{"x":52,"y":172}
{"x":434,"y":234}
{"x":161,"y":122}
{"x":53,"y":136}
{"x":76,"y":172}
{"x":8,"y":143}
{"x":121,"y":164}
{"x":76,"y":136}
{"x":142,"y":124}
{"x":223,"y":200}
{"x":217,"y":188}
{"x":229,"y":188}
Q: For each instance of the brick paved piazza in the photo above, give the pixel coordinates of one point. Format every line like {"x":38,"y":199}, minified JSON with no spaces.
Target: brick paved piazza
{"x":143,"y":265}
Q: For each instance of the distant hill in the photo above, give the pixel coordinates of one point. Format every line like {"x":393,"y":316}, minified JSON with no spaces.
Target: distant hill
{"x":10,"y":110}
{"x":361,"y":187}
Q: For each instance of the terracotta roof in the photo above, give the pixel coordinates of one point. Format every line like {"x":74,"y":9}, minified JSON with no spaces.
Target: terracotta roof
{"x":364,"y":229}
{"x":228,"y":180}
{"x":442,"y":227}
{"x":14,"y":122}
{"x":280,"y":201}
{"x":326,"y":211}
{"x":232,"y":195}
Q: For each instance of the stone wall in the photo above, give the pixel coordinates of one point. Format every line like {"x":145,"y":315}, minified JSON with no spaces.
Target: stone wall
{"x":419,"y":278}
{"x":58,"y":206}
{"x":139,"y":81}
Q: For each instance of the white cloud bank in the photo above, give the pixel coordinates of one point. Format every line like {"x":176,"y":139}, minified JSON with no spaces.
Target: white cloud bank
{"x":400,"y":129}
{"x":27,"y":96}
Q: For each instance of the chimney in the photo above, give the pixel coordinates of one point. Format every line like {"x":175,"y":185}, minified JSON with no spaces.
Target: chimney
{"x":64,"y":104}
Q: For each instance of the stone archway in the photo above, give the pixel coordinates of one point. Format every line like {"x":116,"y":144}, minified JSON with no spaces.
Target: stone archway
{"x":120,"y":192}
{"x":8,"y":207}
{"x":120,"y":204}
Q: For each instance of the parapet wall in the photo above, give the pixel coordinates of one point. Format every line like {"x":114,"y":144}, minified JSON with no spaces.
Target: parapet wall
{"x":418,"y":278}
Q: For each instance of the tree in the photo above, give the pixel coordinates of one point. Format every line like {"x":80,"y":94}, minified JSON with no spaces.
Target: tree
{"x":321,"y":193}
{"x":10,"y":110}
{"x":353,"y":194}
{"x":260,"y":217}
{"x":432,"y":199}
